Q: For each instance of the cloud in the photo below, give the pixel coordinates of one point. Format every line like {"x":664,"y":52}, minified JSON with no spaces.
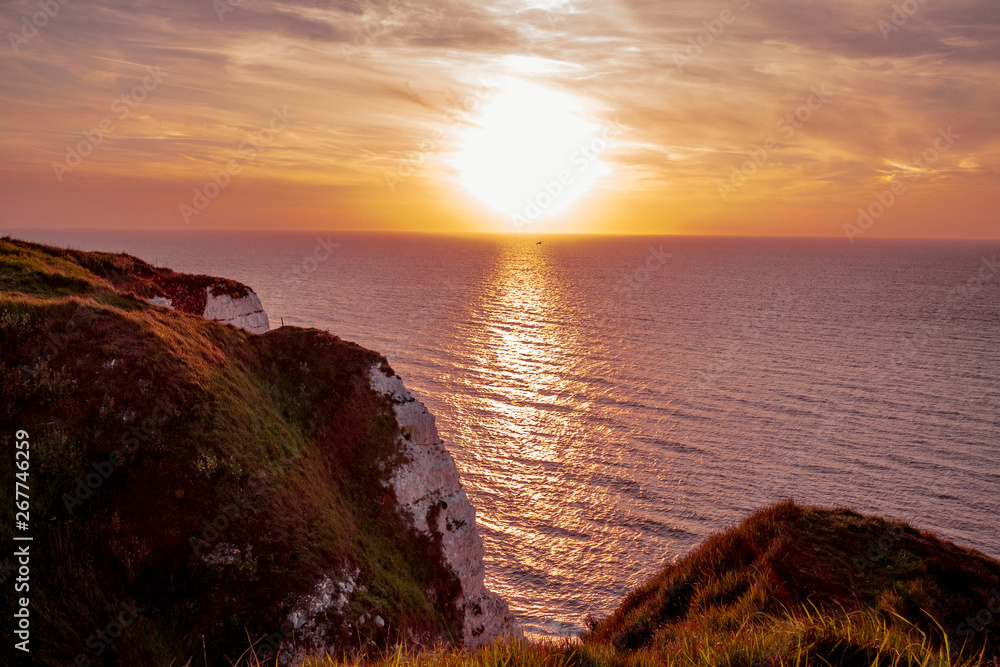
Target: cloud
{"x":695,"y":84}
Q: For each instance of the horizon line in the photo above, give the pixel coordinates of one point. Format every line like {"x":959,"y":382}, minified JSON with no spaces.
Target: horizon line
{"x":512,"y":234}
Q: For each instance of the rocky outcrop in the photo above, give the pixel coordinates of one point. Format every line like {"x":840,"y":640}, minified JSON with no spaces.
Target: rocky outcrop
{"x":246,"y":312}
{"x":427,"y":487}
{"x":302,"y":497}
{"x":305,"y":625}
{"x":161,"y":301}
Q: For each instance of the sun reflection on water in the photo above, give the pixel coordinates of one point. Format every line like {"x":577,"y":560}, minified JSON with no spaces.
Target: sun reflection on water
{"x":541,"y":486}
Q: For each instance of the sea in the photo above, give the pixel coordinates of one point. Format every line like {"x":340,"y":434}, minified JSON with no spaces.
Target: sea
{"x":612,"y":401}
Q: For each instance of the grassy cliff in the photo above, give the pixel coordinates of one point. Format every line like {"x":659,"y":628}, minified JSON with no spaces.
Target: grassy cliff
{"x":791,"y":585}
{"x":192,"y":483}
{"x":792,"y":581}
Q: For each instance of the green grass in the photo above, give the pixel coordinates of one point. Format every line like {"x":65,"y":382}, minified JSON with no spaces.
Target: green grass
{"x":805,"y":638}
{"x":786,"y":557}
{"x":791,"y":585}
{"x":202,"y":416}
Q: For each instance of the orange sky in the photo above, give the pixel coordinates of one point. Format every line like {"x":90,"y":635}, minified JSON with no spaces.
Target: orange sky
{"x":729,"y":117}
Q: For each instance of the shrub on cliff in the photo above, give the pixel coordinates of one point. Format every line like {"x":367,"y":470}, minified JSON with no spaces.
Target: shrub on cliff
{"x":204,"y":482}
{"x":791,"y":585}
{"x":845,"y":588}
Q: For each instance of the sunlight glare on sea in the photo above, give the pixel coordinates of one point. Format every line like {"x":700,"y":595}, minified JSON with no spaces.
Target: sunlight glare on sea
{"x":608,"y":412}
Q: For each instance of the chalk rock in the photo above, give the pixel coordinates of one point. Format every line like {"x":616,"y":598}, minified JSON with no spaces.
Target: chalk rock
{"x":427,"y":487}
{"x":306,"y":621}
{"x":246,"y":313}
{"x":161,"y":301}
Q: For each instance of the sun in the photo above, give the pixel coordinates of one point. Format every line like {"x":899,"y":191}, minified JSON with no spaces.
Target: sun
{"x":530,"y":153}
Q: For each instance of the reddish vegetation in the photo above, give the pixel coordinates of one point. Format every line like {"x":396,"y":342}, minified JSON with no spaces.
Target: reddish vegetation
{"x":787,"y":556}
{"x":212,"y":477}
{"x":133,"y":275}
{"x":186,"y":292}
{"x":186,"y":296}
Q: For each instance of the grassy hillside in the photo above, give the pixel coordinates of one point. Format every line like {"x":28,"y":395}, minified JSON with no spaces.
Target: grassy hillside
{"x":201,"y":474}
{"x":844,"y":588}
{"x":788,"y":558}
{"x":791,"y":585}
{"x":197,"y":481}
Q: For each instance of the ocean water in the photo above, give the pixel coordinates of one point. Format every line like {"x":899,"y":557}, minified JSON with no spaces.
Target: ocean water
{"x":613,"y":401}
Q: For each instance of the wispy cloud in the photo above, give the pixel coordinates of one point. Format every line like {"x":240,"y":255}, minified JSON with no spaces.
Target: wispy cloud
{"x":370,"y":80}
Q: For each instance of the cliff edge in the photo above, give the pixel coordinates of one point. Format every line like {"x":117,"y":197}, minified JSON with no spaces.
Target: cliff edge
{"x":808,"y":585}
{"x":197,"y":488}
{"x":427,"y":488}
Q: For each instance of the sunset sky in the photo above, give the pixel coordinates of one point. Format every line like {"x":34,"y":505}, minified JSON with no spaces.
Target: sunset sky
{"x":764,"y":117}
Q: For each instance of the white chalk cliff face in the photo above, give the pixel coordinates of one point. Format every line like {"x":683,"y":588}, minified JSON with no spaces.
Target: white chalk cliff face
{"x":246,"y":313}
{"x":162,"y":301}
{"x":428,"y":488}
